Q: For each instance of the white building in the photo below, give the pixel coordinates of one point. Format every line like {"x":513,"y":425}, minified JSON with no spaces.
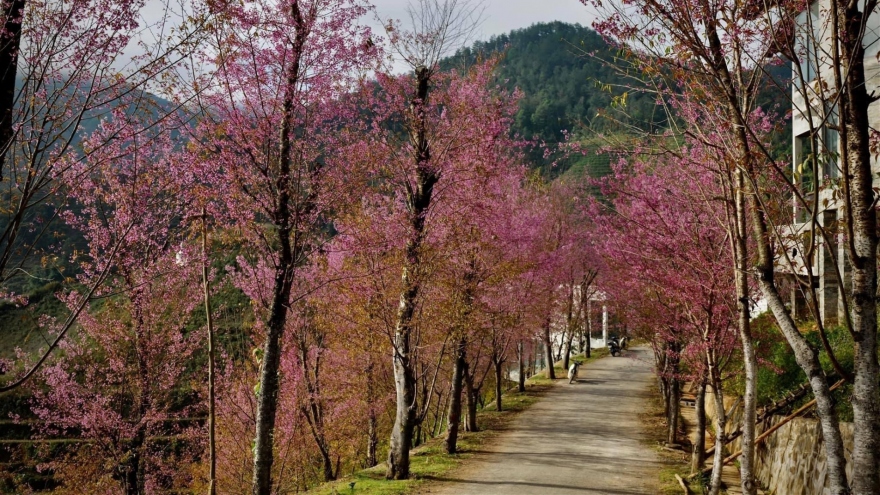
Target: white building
{"x":830,"y":267}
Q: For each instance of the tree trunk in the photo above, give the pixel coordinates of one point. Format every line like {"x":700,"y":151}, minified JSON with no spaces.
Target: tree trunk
{"x":662,"y":379}
{"x":565,"y":359}
{"x":498,"y":383}
{"x":267,"y":401}
{"x":808,"y":360}
{"x":206,"y":290}
{"x":372,"y":439}
{"x":454,"y":421}
{"x":418,"y":435}
{"x":588,"y":317}
{"x":418,"y":201}
{"x":327,"y":462}
{"x":750,"y":360}
{"x":132,"y":475}
{"x":855,"y":138}
{"x":405,"y":417}
{"x":699,"y":453}
{"x":720,"y":438}
{"x":548,"y":349}
{"x":806,"y":357}
{"x":521,"y":382}
{"x":471,"y":399}
{"x":673,"y":417}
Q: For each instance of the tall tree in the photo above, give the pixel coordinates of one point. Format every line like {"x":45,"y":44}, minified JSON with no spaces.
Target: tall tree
{"x":281,"y":69}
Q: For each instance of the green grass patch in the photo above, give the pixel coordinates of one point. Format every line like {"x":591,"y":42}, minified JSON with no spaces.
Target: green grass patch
{"x":668,"y":484}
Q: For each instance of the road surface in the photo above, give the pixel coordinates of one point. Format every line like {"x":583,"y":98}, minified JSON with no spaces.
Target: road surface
{"x":583,"y":438}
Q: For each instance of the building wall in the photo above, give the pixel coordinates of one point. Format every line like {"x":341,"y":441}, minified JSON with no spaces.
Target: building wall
{"x":830,"y":291}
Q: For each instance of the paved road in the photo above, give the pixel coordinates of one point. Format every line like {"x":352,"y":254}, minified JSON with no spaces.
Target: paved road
{"x":583,"y":438}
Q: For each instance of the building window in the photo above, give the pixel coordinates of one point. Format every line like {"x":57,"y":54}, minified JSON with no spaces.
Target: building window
{"x":809,"y":25}
{"x":830,"y":152}
{"x":804,"y":156}
{"x":804,"y":175}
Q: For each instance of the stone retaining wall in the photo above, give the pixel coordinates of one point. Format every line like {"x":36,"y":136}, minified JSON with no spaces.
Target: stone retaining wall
{"x":791,"y":461}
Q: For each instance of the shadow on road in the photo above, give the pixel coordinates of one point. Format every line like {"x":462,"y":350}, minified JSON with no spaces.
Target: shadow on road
{"x":537,"y":485}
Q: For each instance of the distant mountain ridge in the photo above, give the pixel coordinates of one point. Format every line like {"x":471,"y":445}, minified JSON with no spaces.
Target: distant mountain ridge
{"x":568,"y":85}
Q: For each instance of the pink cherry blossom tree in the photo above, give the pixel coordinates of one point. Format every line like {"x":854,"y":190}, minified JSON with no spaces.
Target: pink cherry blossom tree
{"x":271,"y":117}
{"x":118,"y":384}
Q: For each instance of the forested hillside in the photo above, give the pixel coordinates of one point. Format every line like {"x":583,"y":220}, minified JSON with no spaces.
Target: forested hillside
{"x":572,"y":81}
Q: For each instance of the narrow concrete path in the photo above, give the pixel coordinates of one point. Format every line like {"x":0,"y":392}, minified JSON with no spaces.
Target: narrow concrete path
{"x":583,"y":438}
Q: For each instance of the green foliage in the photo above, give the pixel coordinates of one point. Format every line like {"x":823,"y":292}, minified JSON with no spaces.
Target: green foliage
{"x":780,"y":374}
{"x":573,"y":81}
{"x":566,"y":83}
{"x":774,"y":99}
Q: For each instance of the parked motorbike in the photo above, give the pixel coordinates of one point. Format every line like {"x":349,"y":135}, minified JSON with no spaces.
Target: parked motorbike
{"x":614,"y":346}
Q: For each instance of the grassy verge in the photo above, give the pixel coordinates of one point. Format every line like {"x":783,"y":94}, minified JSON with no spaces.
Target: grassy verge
{"x":429,"y":462}
{"x":677,"y":462}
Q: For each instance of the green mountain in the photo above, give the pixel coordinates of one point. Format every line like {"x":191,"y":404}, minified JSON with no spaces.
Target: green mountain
{"x":572,"y":80}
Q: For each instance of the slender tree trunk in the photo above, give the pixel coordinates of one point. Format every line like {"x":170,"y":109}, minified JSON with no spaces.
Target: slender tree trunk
{"x":566,"y":358}
{"x":405,"y":418}
{"x":454,"y":419}
{"x":521,"y":382}
{"x":133,"y":476}
{"x":805,"y":355}
{"x":327,"y":462}
{"x":674,"y":392}
{"x":589,"y":319}
{"x":699,"y":454}
{"x":589,"y":346}
{"x":418,"y":202}
{"x":372,"y":420}
{"x":672,"y":420}
{"x":750,"y":361}
{"x":438,"y":417}
{"x":548,"y":348}
{"x":864,"y":239}
{"x":498,"y":383}
{"x":212,"y":451}
{"x":372,"y":439}
{"x":313,"y":409}
{"x":663,"y":378}
{"x":720,"y":437}
{"x":417,"y":435}
{"x":133,"y":479}
{"x":267,"y":401}
{"x":471,"y":400}
{"x":808,"y":359}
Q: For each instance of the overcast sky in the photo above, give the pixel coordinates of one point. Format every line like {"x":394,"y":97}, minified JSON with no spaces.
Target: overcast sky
{"x":502,"y":16}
